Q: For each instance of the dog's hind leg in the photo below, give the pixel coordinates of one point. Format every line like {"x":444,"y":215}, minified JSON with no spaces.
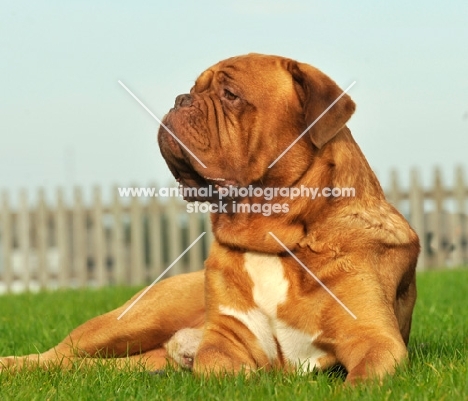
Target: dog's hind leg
{"x":171,"y":305}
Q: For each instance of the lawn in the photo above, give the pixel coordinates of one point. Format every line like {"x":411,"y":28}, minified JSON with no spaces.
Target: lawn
{"x":437,"y":370}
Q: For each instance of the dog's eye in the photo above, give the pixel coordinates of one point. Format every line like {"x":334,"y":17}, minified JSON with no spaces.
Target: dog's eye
{"x":229,"y":95}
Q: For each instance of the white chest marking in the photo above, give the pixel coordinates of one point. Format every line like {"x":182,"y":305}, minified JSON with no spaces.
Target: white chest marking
{"x":270,"y":290}
{"x":270,"y":287}
{"x":298,"y":347}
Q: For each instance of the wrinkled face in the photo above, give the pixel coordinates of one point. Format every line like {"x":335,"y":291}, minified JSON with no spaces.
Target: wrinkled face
{"x":240,"y":115}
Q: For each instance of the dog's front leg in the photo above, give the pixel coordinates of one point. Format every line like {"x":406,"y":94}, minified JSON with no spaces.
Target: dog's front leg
{"x":374,"y":357}
{"x":236,"y":333}
{"x":371,"y":346}
{"x":229,"y":347}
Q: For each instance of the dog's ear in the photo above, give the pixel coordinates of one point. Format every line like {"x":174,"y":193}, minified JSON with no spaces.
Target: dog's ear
{"x":316,"y":92}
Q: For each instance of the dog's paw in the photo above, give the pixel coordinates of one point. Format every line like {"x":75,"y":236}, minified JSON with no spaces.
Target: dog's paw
{"x":183,"y":345}
{"x":7,"y":362}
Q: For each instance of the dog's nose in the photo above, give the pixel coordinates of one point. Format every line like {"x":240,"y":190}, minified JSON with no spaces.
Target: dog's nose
{"x":184,"y":100}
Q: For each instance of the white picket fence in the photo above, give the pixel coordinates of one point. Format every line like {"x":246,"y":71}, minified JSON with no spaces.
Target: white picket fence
{"x":438,"y":214}
{"x":127,"y":241}
{"x":131,"y":241}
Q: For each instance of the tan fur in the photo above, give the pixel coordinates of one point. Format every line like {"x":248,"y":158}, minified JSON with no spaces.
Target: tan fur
{"x":138,"y":338}
{"x":240,"y":115}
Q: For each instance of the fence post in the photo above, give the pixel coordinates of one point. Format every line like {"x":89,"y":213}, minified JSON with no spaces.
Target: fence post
{"x":80,"y":265}
{"x":42,"y":231}
{"x":417,"y":215}
{"x":62,"y":239}
{"x":100,"y":271}
{"x":23,"y":239}
{"x":137,"y":270}
{"x":6,"y":242}
{"x":118,"y":241}
{"x":155,"y":236}
{"x":439,"y":229}
{"x":196,"y":252}
{"x":175,"y":237}
{"x":460,"y":231}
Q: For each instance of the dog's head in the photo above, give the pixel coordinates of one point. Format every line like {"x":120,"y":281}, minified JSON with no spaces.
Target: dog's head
{"x":242,"y":114}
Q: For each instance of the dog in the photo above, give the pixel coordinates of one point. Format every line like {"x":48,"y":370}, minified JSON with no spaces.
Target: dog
{"x":291,"y":282}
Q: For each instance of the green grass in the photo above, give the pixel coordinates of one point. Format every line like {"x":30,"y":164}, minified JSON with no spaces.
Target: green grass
{"x":437,"y":369}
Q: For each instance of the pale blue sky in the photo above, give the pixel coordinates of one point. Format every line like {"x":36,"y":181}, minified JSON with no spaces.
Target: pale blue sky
{"x":64,"y":119}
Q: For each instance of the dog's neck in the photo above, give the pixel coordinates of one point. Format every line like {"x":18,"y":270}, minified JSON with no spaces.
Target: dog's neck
{"x":366,"y":211}
{"x":339,"y":164}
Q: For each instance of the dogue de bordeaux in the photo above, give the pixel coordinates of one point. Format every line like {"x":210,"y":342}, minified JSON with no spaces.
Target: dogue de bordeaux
{"x":291,"y":282}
